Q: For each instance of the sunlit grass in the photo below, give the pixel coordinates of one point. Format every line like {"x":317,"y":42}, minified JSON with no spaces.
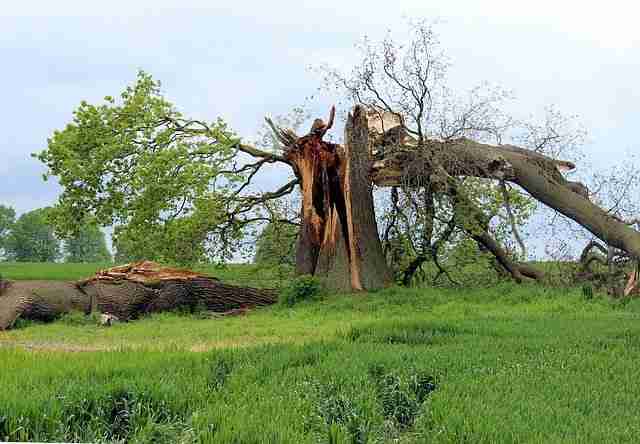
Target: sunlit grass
{"x":48,"y":271}
{"x":504,"y":364}
{"x":240,"y":274}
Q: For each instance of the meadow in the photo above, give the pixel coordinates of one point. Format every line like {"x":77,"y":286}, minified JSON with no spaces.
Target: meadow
{"x":508,"y":363}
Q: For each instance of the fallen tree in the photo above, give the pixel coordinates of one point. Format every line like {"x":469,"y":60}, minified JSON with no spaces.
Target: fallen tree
{"x":408,"y":132}
{"x":126,"y":292}
{"x":339,"y":241}
{"x":539,"y":175}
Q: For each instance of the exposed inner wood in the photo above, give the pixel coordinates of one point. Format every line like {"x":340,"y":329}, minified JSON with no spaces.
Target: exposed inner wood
{"x":337,"y":204}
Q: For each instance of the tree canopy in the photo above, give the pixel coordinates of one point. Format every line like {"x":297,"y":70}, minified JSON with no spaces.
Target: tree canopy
{"x":166,"y":183}
{"x":88,"y":244}
{"x":276,"y":244}
{"x":32,"y":238}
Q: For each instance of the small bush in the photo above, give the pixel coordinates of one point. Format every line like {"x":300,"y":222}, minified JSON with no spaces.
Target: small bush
{"x":345,"y":417}
{"x":302,"y":288}
{"x":587,"y":291}
{"x":221,"y":368}
{"x":23,"y":323}
{"x":400,"y":395}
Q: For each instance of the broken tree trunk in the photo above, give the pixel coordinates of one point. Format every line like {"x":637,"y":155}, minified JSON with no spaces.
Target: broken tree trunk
{"x":39,"y":300}
{"x":126,"y":292}
{"x":338,"y":239}
{"x":537,"y":174}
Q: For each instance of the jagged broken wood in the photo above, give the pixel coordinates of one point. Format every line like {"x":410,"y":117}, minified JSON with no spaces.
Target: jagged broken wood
{"x":339,"y":241}
{"x":126,"y":292}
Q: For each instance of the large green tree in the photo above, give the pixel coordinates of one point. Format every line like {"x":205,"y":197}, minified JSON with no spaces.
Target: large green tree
{"x":32,"y":238}
{"x":175,"y":189}
{"x":88,"y":244}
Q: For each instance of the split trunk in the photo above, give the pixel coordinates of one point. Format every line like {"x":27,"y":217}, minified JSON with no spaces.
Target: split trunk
{"x":339,"y":240}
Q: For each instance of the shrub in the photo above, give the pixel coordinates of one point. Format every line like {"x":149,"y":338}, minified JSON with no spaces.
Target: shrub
{"x":401,"y":395}
{"x":301,"y":288}
{"x":587,"y":291}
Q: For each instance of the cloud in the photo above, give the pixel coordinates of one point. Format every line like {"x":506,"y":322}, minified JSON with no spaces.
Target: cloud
{"x":244,"y":59}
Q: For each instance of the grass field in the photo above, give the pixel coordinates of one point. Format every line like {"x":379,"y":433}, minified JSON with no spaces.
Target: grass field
{"x":240,"y":274}
{"x":506,"y":364}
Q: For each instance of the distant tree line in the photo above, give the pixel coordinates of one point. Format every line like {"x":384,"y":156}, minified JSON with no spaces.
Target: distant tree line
{"x":31,"y":238}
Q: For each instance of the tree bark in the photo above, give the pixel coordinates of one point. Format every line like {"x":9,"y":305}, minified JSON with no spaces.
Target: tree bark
{"x":39,"y":300}
{"x":126,"y":292}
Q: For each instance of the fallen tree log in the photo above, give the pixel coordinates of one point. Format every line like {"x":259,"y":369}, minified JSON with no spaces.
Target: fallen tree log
{"x":126,"y":292}
{"x":39,"y":301}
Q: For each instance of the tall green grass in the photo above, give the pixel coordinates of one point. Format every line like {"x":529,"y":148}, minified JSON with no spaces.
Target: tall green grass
{"x":508,"y":364}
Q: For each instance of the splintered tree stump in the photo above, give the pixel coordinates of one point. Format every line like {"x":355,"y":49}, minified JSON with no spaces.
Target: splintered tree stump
{"x":338,"y":240}
{"x":126,"y":292}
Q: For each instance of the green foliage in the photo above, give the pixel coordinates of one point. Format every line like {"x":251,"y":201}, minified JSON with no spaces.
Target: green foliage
{"x":132,"y":163}
{"x":180,"y":241}
{"x":32,"y":238}
{"x":79,"y":319}
{"x":587,"y":291}
{"x":88,"y":244}
{"x":300,"y":288}
{"x":413,"y":233}
{"x":7,"y":219}
{"x":401,"y":397}
{"x":276,"y":244}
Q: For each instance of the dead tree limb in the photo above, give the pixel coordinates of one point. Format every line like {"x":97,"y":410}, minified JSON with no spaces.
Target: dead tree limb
{"x":537,"y":174}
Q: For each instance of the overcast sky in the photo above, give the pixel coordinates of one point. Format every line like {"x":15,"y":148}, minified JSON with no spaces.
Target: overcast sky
{"x":241,"y":60}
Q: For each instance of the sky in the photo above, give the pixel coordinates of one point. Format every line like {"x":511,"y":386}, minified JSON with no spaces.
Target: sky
{"x":242,"y":60}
